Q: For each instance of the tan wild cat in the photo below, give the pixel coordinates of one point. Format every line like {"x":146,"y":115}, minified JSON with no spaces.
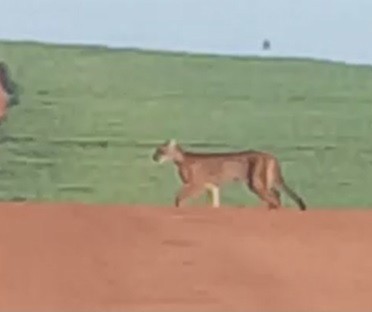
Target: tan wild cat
{"x":201,"y":172}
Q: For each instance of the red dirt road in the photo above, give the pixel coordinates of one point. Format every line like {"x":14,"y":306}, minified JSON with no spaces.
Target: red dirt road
{"x":91,"y":258}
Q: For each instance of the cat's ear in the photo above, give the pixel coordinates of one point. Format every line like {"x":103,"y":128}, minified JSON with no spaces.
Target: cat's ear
{"x":172,"y":143}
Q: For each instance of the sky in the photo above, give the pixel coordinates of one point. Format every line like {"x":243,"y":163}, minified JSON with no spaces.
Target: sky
{"x":338,"y":30}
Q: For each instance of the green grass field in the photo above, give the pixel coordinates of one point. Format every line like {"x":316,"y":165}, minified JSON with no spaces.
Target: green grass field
{"x":90,"y":117}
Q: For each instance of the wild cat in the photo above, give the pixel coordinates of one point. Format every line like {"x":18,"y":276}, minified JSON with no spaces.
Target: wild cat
{"x":201,"y":172}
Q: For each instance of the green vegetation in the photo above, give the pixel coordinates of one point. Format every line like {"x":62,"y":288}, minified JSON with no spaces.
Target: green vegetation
{"x":89,"y":119}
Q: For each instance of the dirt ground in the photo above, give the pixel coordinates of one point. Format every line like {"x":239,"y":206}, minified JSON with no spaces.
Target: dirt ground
{"x":92,"y":258}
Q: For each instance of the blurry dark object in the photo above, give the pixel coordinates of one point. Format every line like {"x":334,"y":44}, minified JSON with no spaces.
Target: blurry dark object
{"x":266,"y":45}
{"x":8,"y":85}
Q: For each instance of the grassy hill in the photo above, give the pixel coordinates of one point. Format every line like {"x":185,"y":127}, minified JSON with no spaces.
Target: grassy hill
{"x":89,"y":119}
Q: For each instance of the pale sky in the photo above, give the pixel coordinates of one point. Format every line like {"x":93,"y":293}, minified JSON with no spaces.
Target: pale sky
{"x":326,"y":29}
